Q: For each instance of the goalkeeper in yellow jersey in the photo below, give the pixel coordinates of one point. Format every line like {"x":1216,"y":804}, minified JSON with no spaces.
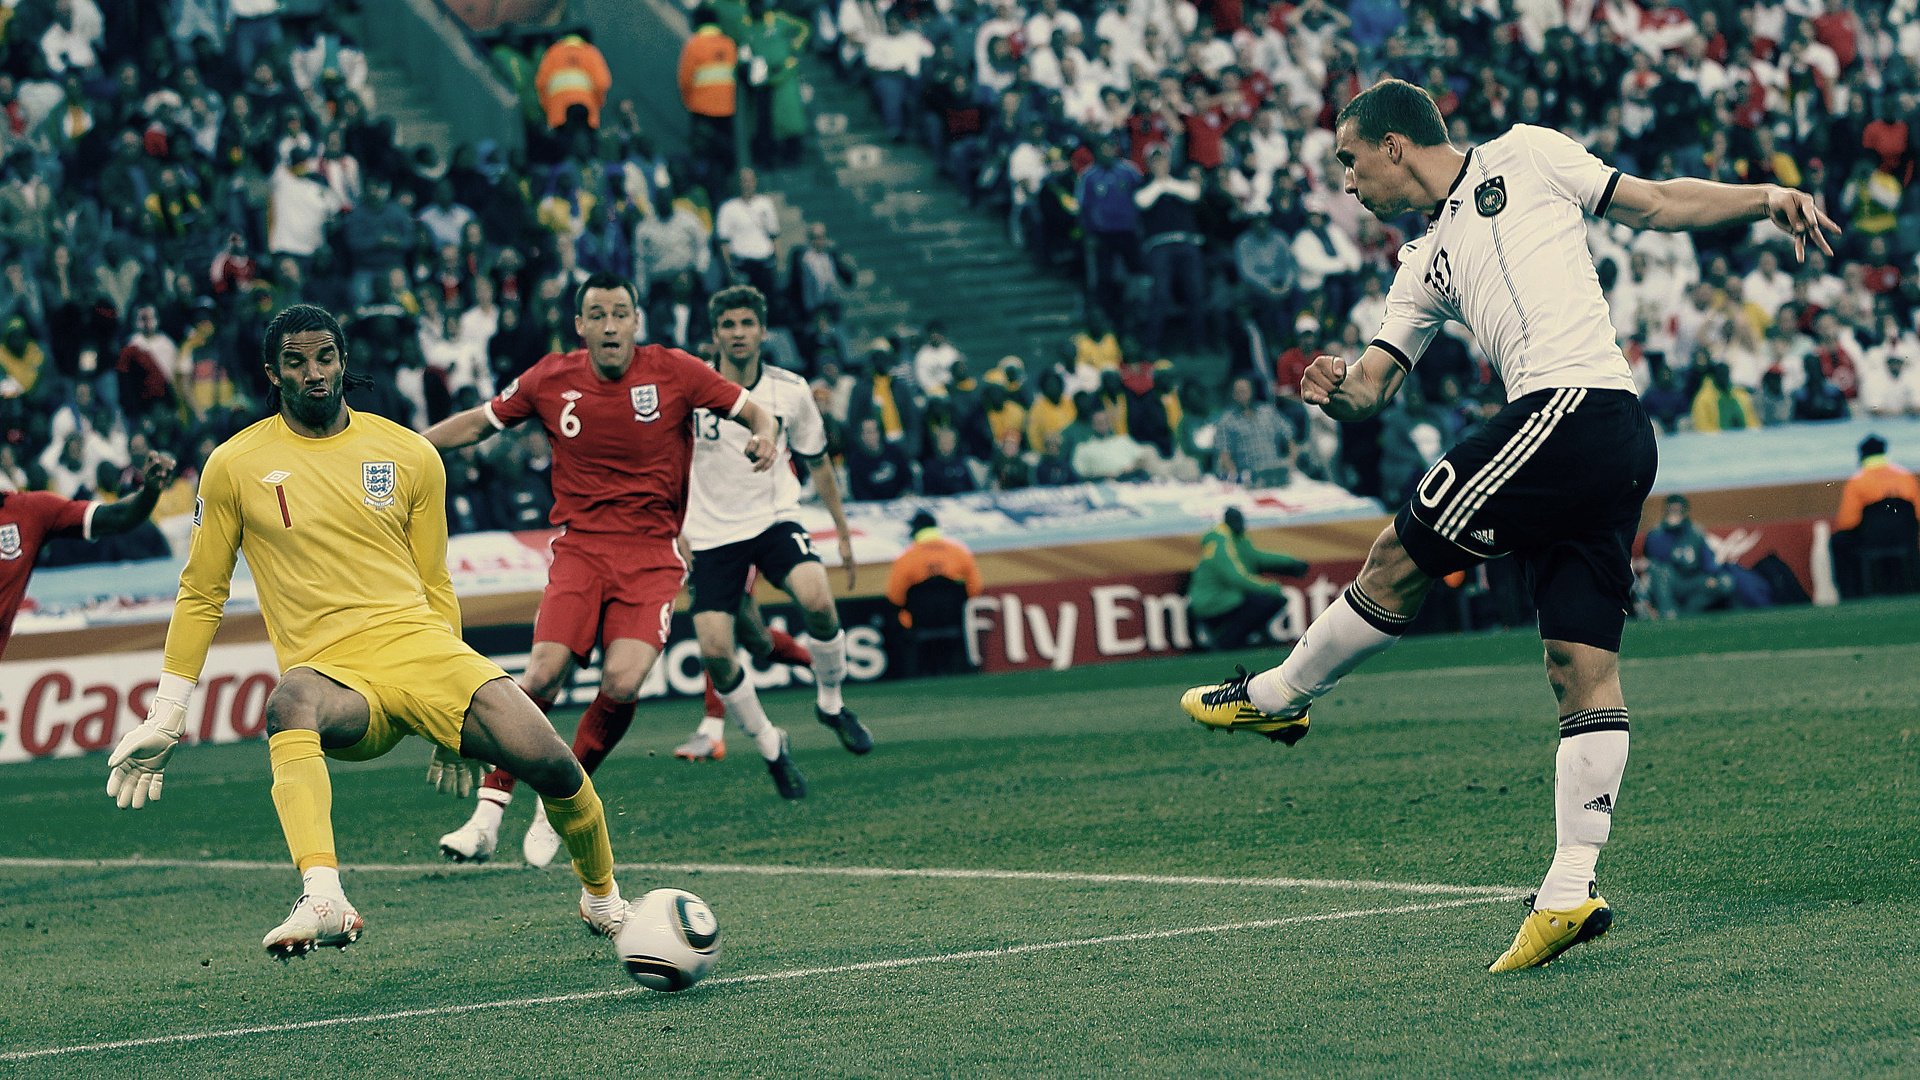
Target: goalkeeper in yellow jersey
{"x":342,"y":518}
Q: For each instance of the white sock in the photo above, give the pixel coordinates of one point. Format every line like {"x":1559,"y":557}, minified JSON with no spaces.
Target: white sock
{"x":829,"y":670}
{"x":714,"y":727}
{"x":743,"y":704}
{"x":323,"y":881}
{"x":489,"y":806}
{"x":603,"y":905}
{"x":1586,"y":782}
{"x":1350,"y":630}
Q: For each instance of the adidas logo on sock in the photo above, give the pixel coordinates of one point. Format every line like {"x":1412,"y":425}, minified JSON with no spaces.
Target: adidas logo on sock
{"x":1604,"y":804}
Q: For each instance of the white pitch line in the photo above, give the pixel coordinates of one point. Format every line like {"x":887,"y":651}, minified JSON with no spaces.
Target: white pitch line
{"x":764,"y":977}
{"x":1418,"y":888}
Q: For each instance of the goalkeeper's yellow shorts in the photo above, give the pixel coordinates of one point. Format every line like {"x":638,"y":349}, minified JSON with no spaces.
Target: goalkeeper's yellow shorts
{"x":419,"y":681}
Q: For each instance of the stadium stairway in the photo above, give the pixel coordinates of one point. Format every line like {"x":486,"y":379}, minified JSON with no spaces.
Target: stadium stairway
{"x":412,"y":114}
{"x":923,"y":254}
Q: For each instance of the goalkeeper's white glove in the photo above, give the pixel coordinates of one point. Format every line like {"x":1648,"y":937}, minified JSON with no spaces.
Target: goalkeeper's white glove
{"x":136,"y":764}
{"x":451,"y":774}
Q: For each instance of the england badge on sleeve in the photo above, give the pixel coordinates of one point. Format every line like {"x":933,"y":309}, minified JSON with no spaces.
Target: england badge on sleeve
{"x":377,"y":478}
{"x":646,"y":402}
{"x":9,"y":541}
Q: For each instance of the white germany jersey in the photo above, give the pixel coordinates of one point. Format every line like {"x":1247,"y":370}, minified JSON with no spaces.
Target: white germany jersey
{"x":1506,"y":254}
{"x":730,"y":502}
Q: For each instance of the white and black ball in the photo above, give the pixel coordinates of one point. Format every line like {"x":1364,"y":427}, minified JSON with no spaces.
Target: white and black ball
{"x":670,"y":940}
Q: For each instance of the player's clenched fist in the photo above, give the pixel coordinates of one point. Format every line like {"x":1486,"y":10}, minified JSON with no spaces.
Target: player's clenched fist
{"x":1323,"y":377}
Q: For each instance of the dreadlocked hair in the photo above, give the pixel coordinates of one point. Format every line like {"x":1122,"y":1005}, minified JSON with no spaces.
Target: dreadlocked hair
{"x":303,"y":318}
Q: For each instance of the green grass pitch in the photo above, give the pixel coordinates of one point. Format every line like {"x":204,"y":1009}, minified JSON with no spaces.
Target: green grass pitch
{"x":1762,"y":869}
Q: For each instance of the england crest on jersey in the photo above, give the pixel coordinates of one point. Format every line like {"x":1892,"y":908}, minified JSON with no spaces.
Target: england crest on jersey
{"x":9,"y":541}
{"x":377,"y":478}
{"x":646,"y":402}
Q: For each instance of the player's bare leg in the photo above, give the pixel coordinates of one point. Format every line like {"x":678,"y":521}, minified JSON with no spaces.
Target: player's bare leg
{"x":1365,"y":620}
{"x":715,"y":630}
{"x":505,"y":729}
{"x":549,"y":668}
{"x":807,"y":584}
{"x":306,"y":714}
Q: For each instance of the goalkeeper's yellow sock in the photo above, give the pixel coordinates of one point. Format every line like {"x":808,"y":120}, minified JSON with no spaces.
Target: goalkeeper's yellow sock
{"x":303,"y":795}
{"x":582,"y":824}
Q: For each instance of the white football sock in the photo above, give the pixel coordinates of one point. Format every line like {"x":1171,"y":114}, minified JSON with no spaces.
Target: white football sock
{"x":603,"y":905}
{"x":829,"y":670}
{"x":714,"y":727}
{"x":1341,"y":639}
{"x":1586,"y":782}
{"x":489,"y":806}
{"x":323,"y":881}
{"x":743,"y":704}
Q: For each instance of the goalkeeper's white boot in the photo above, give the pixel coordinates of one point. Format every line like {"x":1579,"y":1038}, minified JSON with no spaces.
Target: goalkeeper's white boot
{"x":472,"y":842}
{"x":542,"y":843}
{"x":316,"y":922}
{"x":604,"y":915}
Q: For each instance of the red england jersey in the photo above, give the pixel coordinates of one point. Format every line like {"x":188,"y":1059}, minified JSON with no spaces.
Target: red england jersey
{"x":27,"y":518}
{"x":621,"y":448}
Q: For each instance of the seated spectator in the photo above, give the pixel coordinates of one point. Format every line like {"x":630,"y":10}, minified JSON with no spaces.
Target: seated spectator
{"x":1253,"y":442}
{"x":934,"y":360}
{"x":877,"y":470}
{"x":1009,"y":470}
{"x":1682,"y":573}
{"x":1227,"y":595}
{"x":1818,"y":399}
{"x":1880,"y":488}
{"x":1051,"y":412}
{"x":1664,"y":399}
{"x":1110,"y":455}
{"x":1053,"y":469}
{"x":1722,"y":406}
{"x":819,"y":276}
{"x":946,"y":471}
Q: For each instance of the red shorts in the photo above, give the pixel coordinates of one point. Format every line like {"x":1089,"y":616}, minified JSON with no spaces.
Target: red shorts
{"x":604,"y":587}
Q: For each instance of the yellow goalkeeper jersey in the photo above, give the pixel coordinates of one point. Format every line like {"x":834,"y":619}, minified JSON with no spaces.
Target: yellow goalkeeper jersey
{"x":346,"y":538}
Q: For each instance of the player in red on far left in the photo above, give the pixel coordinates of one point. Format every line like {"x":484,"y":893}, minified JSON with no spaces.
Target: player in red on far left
{"x":28,"y":518}
{"x":619,"y":417}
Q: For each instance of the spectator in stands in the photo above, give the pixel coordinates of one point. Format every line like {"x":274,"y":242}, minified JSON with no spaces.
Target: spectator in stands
{"x":1110,"y":222}
{"x":1228,"y":596}
{"x":1719,"y":405}
{"x":1880,"y":489}
{"x":1055,"y":468}
{"x":819,"y":276}
{"x":1254,"y":444}
{"x":1172,"y":246}
{"x":1817,"y":398}
{"x":1263,"y":256}
{"x":946,"y":471}
{"x":709,"y":90}
{"x":746,"y":228}
{"x":877,"y":469}
{"x":1682,"y":573}
{"x":770,"y":43}
{"x":572,"y":82}
{"x":1106,"y":454}
{"x":1052,"y":411}
{"x":1328,"y":259}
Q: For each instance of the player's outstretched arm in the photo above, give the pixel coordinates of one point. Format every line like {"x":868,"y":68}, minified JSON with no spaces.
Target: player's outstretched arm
{"x":461,"y":429}
{"x":1687,"y":203}
{"x":134,"y":771}
{"x":827,"y":483}
{"x":1356,"y":391}
{"x":127,"y":514}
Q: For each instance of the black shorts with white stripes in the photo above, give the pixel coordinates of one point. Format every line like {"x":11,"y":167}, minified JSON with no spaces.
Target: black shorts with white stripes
{"x":1556,"y":479}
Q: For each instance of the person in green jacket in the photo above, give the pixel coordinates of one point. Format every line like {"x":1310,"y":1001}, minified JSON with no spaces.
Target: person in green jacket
{"x":1227,"y":596}
{"x":770,"y":44}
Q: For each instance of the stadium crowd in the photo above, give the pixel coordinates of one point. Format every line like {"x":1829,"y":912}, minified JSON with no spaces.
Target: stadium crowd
{"x":173,"y":173}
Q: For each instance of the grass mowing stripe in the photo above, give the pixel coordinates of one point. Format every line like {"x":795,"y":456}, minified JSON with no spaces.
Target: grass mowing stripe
{"x":764,"y":977}
{"x":1419,"y":888}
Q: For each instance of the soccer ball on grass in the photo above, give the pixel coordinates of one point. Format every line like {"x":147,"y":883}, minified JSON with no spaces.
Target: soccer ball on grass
{"x":670,"y":940}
